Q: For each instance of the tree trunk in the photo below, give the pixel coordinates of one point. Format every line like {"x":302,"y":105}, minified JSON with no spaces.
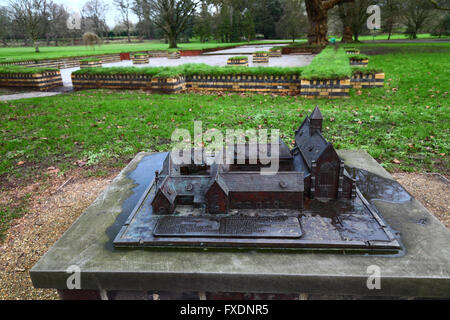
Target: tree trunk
{"x":347,"y":35}
{"x":318,"y":22}
{"x":172,"y":41}
{"x":36,"y":46}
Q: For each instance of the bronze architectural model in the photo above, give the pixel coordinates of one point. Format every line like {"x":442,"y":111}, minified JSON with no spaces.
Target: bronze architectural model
{"x":311,"y":202}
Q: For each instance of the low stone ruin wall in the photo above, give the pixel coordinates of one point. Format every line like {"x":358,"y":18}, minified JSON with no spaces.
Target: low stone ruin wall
{"x":38,"y":81}
{"x":117,"y":81}
{"x":302,"y":50}
{"x":90,"y":64}
{"x":168,"y":85}
{"x":373,"y":80}
{"x":359,"y":62}
{"x":277,"y":84}
{"x":244,"y":83}
{"x":140,"y":59}
{"x":64,"y":62}
{"x":338,"y":88}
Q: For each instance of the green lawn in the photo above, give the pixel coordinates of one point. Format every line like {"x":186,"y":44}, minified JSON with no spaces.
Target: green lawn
{"x":49,"y":52}
{"x":405,"y":125}
{"x":397,"y":36}
{"x":408,"y":120}
{"x":27,"y":53}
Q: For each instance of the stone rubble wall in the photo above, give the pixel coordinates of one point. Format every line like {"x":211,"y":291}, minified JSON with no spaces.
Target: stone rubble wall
{"x":40,"y":81}
{"x":359,"y":62}
{"x":360,"y":81}
{"x":338,"y":88}
{"x":64,"y":62}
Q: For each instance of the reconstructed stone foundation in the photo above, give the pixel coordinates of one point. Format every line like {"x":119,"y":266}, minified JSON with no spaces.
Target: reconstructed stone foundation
{"x":174,"y":55}
{"x":90,"y":64}
{"x":65,"y":62}
{"x":359,"y":62}
{"x":40,"y":81}
{"x":261,"y":58}
{"x":352,"y":51}
{"x":280,"y":84}
{"x":302,"y":50}
{"x":117,"y":81}
{"x":140,"y":59}
{"x":290,"y":84}
{"x":168,"y":85}
{"x":338,"y":88}
{"x":275,"y":54}
{"x":239,"y":83}
{"x":240,"y":62}
{"x":360,"y":80}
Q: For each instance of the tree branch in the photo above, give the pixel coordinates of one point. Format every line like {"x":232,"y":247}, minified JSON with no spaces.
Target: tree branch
{"x":331,"y":3}
{"x":436,"y":6}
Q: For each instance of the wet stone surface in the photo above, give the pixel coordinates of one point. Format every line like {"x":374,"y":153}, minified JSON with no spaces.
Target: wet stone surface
{"x":422,"y":271}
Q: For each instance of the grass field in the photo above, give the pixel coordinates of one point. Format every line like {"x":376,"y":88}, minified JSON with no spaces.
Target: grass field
{"x":27,"y":53}
{"x":49,"y":52}
{"x":405,"y":125}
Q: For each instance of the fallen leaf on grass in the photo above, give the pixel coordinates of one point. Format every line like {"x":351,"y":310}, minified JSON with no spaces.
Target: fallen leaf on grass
{"x":396,"y":161}
{"x":81,"y":162}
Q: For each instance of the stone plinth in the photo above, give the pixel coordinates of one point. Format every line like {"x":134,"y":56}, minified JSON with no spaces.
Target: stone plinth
{"x":422,"y":270}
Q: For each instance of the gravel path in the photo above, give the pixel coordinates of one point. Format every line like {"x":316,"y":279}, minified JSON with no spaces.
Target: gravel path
{"x":51,"y":212}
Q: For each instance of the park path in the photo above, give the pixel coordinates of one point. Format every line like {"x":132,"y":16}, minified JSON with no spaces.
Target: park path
{"x":26,"y":95}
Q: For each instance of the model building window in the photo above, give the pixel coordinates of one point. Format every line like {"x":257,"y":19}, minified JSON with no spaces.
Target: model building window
{"x":195,"y":170}
{"x":185,"y":200}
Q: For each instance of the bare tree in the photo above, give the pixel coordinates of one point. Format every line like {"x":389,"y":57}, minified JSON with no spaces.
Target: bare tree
{"x":124,"y":7}
{"x":145,"y":27}
{"x":317,"y":11}
{"x":171,"y":16}
{"x":417,"y":13}
{"x":293,"y":21}
{"x":28,"y":14}
{"x":93,"y":13}
{"x":5,"y":25}
{"x":390,"y":13}
{"x":353,"y":16}
{"x":57,"y":18}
